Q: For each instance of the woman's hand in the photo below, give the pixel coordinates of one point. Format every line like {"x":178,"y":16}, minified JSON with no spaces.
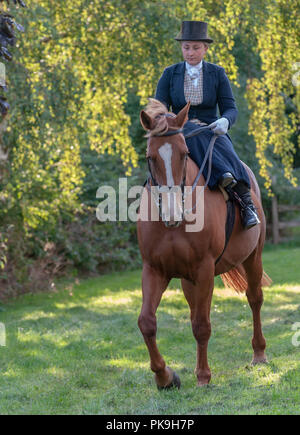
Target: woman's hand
{"x":220,"y":126}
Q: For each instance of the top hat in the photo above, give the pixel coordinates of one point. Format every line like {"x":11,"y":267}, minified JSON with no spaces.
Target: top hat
{"x":193,"y":31}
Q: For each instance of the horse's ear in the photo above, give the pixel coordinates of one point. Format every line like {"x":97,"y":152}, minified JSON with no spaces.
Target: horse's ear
{"x":182,"y":116}
{"x":146,"y":121}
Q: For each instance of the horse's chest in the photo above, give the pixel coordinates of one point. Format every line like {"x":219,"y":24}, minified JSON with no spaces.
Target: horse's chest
{"x":173,"y":255}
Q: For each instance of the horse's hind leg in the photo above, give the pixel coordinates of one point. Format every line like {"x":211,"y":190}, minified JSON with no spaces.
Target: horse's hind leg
{"x":254,"y":271}
{"x":154,"y":285}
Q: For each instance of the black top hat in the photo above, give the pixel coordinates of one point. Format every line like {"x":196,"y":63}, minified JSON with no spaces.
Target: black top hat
{"x":193,"y":31}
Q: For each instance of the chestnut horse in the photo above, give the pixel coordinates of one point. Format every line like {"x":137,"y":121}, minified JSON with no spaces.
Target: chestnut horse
{"x":171,"y":251}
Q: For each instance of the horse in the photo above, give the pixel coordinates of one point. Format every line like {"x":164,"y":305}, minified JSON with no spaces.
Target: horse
{"x":169,"y":251}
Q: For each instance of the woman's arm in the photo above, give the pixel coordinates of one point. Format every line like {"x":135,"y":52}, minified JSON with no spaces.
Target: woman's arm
{"x":163,"y":89}
{"x":225,"y":99}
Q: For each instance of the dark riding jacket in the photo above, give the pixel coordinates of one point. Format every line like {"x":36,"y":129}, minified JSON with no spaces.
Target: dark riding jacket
{"x":216,"y":92}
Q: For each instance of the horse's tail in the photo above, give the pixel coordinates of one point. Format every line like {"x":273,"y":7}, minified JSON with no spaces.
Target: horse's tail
{"x":236,"y":279}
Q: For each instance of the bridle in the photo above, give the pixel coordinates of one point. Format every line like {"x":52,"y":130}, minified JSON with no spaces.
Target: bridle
{"x":158,"y":186}
{"x":208,"y":155}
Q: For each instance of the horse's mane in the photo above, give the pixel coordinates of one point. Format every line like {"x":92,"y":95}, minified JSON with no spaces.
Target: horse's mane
{"x":157,"y":110}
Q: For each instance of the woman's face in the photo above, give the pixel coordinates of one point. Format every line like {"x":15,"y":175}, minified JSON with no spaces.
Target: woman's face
{"x":193,"y":51}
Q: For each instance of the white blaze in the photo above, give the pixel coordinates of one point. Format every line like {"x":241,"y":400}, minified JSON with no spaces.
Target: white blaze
{"x":165,"y":152}
{"x":171,"y":197}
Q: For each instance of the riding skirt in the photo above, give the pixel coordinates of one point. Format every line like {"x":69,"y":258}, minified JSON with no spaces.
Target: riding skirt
{"x":224,"y":158}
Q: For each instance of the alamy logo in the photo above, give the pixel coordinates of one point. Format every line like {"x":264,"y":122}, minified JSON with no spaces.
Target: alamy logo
{"x":171,"y":204}
{"x":296,"y":336}
{"x":2,"y":75}
{"x":2,"y":335}
{"x":296,"y":76}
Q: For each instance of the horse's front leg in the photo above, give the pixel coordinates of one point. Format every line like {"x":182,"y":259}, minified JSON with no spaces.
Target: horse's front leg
{"x":199,"y":297}
{"x":153,"y":285}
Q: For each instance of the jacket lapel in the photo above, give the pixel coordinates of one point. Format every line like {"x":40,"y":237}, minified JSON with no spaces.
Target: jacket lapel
{"x":208,"y":83}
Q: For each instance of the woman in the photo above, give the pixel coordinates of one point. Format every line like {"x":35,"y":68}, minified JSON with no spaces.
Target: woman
{"x":206,"y":86}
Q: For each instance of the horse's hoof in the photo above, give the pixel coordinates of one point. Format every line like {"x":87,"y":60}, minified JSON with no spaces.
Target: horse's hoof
{"x":175,"y":383}
{"x":202,"y":383}
{"x":259,"y":360}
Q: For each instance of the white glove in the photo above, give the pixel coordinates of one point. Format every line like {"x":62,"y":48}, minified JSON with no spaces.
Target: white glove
{"x":220,"y":126}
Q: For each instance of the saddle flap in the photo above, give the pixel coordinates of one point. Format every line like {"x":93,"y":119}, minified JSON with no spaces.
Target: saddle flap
{"x":225,"y":194}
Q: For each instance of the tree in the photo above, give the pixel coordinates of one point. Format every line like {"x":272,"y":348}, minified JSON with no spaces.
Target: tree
{"x":78,"y":80}
{"x":276,"y":26}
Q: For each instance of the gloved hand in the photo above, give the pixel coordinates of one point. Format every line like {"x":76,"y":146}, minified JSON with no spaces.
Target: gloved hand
{"x":220,"y":126}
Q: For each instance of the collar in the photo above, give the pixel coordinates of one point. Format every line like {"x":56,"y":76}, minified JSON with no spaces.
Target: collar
{"x":195,"y":67}
{"x":180,"y":68}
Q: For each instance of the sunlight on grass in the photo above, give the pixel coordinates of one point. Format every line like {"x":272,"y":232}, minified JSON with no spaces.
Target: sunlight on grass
{"x":269,"y":379}
{"x":285,"y":287}
{"x":57,"y":372}
{"x":81,"y":351}
{"x":36,"y":315}
{"x":227,"y":292}
{"x":28,"y":337}
{"x":127,"y":363}
{"x":109,"y":300}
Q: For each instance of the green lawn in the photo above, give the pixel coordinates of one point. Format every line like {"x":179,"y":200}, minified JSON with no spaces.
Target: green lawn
{"x":79,"y":350}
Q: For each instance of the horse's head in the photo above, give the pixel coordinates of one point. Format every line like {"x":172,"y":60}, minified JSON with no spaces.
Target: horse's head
{"x":166,"y":151}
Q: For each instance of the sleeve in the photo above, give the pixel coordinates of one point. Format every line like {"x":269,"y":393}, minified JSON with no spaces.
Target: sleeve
{"x":225,"y":99}
{"x":163,"y":89}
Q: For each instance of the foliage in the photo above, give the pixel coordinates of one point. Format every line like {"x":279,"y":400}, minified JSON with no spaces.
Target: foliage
{"x":77,"y":82}
{"x":8,"y":27}
{"x":276,"y":27}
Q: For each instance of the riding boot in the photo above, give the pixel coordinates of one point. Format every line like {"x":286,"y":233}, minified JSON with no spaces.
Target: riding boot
{"x":241,"y":193}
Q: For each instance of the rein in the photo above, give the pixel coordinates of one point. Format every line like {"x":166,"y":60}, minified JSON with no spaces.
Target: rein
{"x":208,"y":154}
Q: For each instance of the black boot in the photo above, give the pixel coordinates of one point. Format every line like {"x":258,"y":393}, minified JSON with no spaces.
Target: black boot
{"x":227,"y":180}
{"x":242,"y":195}
{"x":248,"y":211}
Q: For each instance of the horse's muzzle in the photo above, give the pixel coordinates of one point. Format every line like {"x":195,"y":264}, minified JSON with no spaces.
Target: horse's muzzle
{"x":171,"y":206}
{"x":172,"y":224}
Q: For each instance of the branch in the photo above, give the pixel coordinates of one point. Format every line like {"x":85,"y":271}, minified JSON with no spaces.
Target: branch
{"x":8,"y":25}
{"x":16,"y":2}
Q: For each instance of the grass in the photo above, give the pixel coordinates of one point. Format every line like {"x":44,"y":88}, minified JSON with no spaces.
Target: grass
{"x":78,"y":350}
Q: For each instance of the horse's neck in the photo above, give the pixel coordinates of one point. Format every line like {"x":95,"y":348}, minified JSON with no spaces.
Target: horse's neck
{"x":192,"y":172}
